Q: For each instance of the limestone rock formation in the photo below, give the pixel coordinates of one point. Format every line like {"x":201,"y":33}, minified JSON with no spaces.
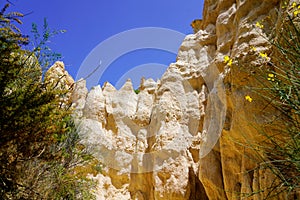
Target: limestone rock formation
{"x":174,"y":140}
{"x":144,"y":139}
{"x":60,"y":77}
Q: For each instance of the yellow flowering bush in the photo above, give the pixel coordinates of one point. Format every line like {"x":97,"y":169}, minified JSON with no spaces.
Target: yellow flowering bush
{"x":274,"y":76}
{"x":279,"y":86}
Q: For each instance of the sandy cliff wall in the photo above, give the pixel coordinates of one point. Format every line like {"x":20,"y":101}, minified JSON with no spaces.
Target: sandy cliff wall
{"x":176,"y":138}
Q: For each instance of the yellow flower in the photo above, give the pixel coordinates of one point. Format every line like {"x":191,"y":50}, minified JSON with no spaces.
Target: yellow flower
{"x":248,"y":98}
{"x":259,"y":25}
{"x":253,"y":48}
{"x":271,"y":77}
{"x":263,"y":55}
{"x":296,"y":11}
{"x":228,"y":60}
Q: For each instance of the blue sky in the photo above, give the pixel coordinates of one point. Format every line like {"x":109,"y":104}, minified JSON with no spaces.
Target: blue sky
{"x":88,"y":23}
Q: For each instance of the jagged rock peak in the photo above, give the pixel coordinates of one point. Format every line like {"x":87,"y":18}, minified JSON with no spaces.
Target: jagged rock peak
{"x":127,"y":86}
{"x":108,"y":88}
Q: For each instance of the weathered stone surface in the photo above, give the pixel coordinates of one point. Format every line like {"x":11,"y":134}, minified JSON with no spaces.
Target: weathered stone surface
{"x":79,"y":97}
{"x":175,"y":139}
{"x":145,"y":137}
{"x":94,"y":107}
{"x":60,"y":77}
{"x":106,"y":189}
{"x":57,"y":77}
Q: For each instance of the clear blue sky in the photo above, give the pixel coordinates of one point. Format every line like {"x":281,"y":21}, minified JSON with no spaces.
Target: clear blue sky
{"x":89,"y":23}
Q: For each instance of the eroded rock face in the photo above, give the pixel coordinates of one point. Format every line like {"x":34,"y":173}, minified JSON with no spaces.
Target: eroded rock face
{"x":58,"y":77}
{"x":174,"y":140}
{"x":149,"y":142}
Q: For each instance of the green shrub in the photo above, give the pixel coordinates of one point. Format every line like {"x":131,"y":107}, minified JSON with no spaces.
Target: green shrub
{"x":279,"y":150}
{"x":39,"y":147}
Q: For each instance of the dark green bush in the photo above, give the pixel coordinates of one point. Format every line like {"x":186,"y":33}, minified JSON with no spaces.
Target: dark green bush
{"x":39,"y":147}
